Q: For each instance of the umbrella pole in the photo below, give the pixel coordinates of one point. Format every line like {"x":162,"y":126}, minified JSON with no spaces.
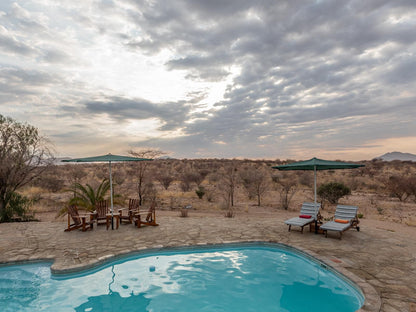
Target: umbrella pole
{"x":314,"y":186}
{"x":111,"y":196}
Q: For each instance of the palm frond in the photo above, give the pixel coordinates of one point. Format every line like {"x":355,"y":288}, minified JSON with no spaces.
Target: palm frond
{"x":86,"y":196}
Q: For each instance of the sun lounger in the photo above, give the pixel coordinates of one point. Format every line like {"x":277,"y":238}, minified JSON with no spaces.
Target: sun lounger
{"x":345,"y":218}
{"x":308,"y":215}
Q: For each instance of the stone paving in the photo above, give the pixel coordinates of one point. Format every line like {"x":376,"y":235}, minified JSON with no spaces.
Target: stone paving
{"x":381,"y":262}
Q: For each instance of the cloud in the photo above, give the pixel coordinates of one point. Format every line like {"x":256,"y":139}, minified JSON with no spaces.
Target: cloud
{"x":271,"y":78}
{"x":16,"y":82}
{"x":25,"y":20}
{"x":10,"y":44}
{"x":171,"y":115}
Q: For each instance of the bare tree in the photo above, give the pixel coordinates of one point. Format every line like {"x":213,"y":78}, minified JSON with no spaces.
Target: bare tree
{"x":229,"y":182}
{"x":76,"y":173}
{"x":192,"y":176}
{"x":401,"y":187}
{"x":165,"y":178}
{"x":186,"y":179}
{"x":397,"y":187}
{"x":200,"y":176}
{"x":411,"y":187}
{"x":24,"y":155}
{"x":287,"y":187}
{"x":141,"y":169}
{"x":256,"y":183}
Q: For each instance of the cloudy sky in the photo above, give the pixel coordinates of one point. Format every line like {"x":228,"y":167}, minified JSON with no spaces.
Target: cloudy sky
{"x":218,"y":78}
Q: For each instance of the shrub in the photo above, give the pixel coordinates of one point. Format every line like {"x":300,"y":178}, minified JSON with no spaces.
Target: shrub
{"x":17,"y":208}
{"x":200,"y":192}
{"x":333,"y":191}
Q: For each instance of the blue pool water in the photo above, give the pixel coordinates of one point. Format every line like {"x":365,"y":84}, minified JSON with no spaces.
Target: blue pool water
{"x":227,"y":278}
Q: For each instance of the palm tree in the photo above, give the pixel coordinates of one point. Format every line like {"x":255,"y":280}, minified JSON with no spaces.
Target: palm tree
{"x":86,"y":196}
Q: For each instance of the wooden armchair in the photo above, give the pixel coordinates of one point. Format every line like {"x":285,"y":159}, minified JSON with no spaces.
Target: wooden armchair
{"x":83,"y":221}
{"x":146,"y":217}
{"x":101,"y":211}
{"x":126,"y":214}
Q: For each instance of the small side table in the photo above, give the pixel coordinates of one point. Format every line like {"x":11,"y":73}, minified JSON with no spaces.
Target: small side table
{"x":115,"y":216}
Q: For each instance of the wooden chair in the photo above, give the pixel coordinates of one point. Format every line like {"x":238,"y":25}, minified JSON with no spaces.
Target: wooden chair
{"x":101,"y":211}
{"x":84,"y":221}
{"x":126,"y":214}
{"x":146,"y":217}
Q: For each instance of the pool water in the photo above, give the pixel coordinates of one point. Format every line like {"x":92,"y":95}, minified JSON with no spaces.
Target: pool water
{"x":233,"y":278}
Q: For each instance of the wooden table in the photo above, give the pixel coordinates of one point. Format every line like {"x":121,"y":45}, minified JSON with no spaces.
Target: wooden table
{"x":109,"y":216}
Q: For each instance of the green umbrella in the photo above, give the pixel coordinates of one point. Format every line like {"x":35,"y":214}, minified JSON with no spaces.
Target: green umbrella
{"x":107,"y":158}
{"x":317,"y":164}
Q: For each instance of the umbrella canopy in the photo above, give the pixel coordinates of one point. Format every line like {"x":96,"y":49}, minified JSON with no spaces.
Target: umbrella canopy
{"x":107,"y":158}
{"x":317,"y":164}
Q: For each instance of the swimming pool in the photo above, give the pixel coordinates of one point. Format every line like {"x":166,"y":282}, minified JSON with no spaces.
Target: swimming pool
{"x":245,"y":277}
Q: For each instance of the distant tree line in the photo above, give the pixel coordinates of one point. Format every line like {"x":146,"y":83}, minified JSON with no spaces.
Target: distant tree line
{"x":26,"y":160}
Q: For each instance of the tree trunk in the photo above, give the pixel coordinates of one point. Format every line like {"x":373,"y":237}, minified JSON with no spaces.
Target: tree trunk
{"x":2,"y":206}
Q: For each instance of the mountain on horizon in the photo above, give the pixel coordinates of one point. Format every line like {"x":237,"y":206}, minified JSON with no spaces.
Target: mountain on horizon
{"x":58,"y":160}
{"x":165,"y":158}
{"x":397,"y":156}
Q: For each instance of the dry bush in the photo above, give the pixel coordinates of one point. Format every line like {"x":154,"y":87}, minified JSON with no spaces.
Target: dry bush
{"x":183,"y":213}
{"x":229,"y":213}
{"x":165,"y":178}
{"x":210,"y":193}
{"x":50,"y":180}
{"x":306,"y":179}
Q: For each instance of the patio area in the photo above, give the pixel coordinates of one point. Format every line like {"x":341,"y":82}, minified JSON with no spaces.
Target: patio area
{"x":379,"y":258}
